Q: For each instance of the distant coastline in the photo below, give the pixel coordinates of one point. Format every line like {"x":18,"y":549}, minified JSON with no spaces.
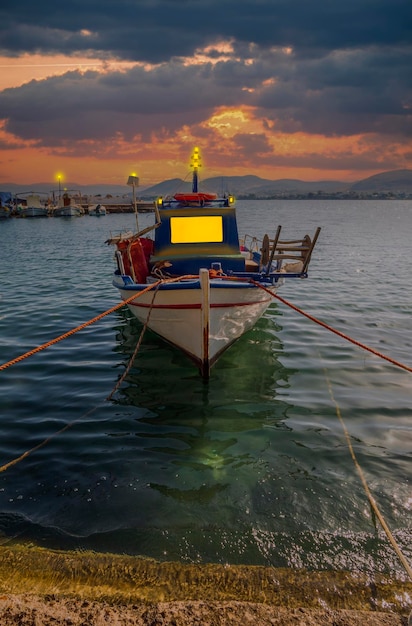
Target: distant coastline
{"x":324,"y":195}
{"x":392,"y":185}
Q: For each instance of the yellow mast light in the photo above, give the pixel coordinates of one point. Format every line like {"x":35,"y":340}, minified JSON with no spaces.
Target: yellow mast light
{"x":59,"y":178}
{"x":196,"y":159}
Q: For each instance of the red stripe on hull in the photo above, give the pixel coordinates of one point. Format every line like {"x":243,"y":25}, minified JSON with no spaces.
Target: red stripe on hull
{"x":217,"y":305}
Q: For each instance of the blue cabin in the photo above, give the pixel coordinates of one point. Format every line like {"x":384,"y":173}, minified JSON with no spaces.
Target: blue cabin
{"x":193,"y":237}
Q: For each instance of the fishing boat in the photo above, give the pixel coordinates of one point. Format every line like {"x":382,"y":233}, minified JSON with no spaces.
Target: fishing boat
{"x":97,"y":210}
{"x":68,"y":207}
{"x":190,"y":279}
{"x":32,"y":205}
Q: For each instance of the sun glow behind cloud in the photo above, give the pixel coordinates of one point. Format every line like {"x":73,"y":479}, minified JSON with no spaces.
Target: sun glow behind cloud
{"x":214,"y":53}
{"x":229,"y":122}
{"x":229,"y":136}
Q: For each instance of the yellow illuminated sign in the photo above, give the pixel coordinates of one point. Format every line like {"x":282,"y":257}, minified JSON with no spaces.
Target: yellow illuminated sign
{"x":196,"y":229}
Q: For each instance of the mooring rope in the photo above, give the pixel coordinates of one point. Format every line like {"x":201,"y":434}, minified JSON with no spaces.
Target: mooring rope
{"x":369,"y":495}
{"x":273,"y":294}
{"x":27,"y":453}
{"x":77,"y":329}
{"x":368,"y":492}
{"x":23,"y":456}
{"x":155,"y":286}
{"x":92,"y":321}
{"x":171,"y":280}
{"x":334,"y":330}
{"x":136,"y":350}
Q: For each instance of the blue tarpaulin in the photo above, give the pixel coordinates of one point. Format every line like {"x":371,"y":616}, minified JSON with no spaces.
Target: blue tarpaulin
{"x":5,"y":196}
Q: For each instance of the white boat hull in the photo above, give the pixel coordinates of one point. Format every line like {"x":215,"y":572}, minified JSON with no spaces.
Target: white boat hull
{"x":68,"y":211}
{"x":97,"y":210}
{"x":202,"y":326}
{"x":34,"y":212}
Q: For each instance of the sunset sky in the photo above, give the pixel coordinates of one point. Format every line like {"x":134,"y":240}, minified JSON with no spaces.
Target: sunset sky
{"x":277,"y":88}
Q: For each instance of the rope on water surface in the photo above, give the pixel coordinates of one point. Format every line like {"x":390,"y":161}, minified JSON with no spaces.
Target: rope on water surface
{"x":333,"y":330}
{"x":25,"y":454}
{"x":92,"y":321}
{"x":136,"y":350}
{"x":145,"y":325}
{"x":156,"y":285}
{"x":369,"y":495}
{"x":76,"y":330}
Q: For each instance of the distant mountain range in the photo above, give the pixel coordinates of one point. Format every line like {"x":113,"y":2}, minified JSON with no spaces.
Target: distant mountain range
{"x":396,"y":182}
{"x":247,"y":185}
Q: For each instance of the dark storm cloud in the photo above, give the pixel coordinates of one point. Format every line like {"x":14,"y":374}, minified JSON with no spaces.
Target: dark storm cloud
{"x":344,"y":93}
{"x":253,"y":144}
{"x":347,"y":92}
{"x":95,"y":106}
{"x":325,"y":67}
{"x":156,"y":30}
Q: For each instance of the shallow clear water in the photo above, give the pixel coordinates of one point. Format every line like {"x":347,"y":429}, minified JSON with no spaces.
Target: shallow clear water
{"x":252,"y":467}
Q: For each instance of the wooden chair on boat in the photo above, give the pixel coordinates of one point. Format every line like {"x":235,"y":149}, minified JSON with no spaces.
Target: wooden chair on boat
{"x":297,"y":250}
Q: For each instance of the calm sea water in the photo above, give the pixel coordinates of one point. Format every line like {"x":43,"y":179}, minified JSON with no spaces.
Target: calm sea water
{"x":252,"y":467}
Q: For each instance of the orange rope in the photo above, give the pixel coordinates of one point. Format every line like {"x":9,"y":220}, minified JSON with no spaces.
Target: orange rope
{"x":369,"y":495}
{"x":27,"y":453}
{"x":136,"y":350}
{"x":274,"y":295}
{"x":284,"y":301}
{"x":92,"y":321}
{"x":333,"y":330}
{"x":145,"y":325}
{"x":76,"y":330}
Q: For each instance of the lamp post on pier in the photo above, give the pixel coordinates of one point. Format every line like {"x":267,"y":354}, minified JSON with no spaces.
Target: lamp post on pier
{"x":133,"y":181}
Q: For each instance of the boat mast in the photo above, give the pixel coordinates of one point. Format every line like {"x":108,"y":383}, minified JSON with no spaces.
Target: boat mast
{"x":196,"y":163}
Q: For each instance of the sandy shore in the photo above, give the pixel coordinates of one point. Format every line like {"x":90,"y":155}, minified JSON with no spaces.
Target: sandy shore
{"x":27,"y":610}
{"x":41,"y":587}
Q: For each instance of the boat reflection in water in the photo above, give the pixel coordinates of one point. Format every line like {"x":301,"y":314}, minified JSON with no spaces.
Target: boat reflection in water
{"x":202,"y":446}
{"x":232,"y":471}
